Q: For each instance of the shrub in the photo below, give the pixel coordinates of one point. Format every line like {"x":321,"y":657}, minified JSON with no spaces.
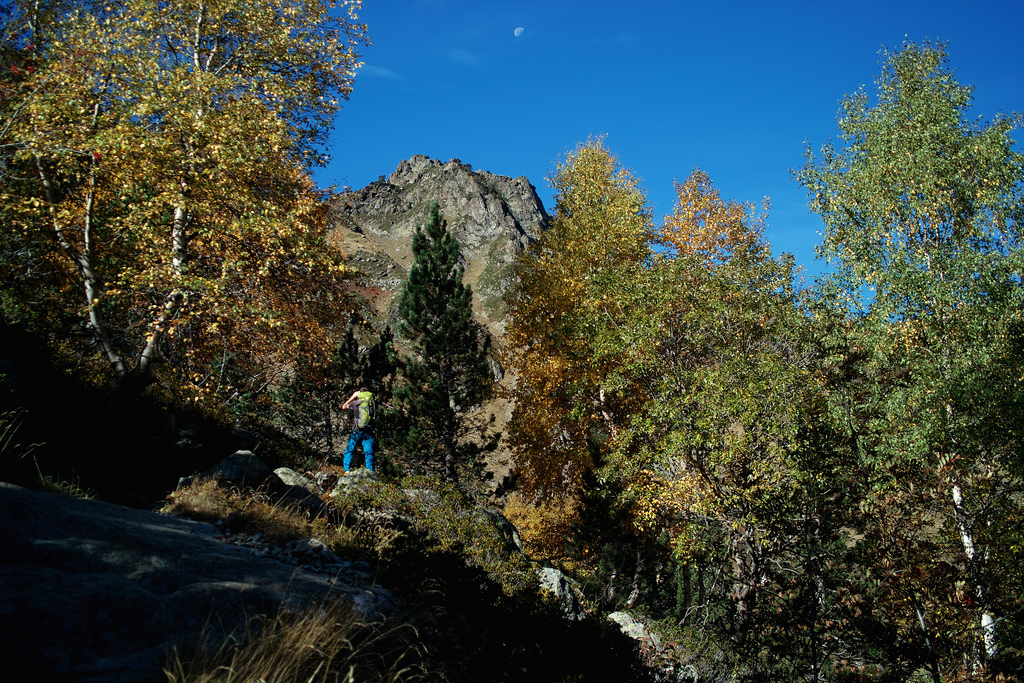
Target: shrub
{"x":544,"y":526}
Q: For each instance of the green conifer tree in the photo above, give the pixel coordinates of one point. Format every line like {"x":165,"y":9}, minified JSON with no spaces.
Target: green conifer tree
{"x":308,"y":401}
{"x":380,"y":365}
{"x":451,"y":372}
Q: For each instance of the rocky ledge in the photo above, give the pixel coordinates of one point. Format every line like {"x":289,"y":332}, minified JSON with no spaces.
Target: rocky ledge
{"x":91,"y":591}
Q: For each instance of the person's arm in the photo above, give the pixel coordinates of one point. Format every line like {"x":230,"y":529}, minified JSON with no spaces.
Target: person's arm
{"x":348,"y":403}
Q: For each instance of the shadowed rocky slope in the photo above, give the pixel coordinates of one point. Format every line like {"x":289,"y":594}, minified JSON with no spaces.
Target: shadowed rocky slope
{"x":91,"y":591}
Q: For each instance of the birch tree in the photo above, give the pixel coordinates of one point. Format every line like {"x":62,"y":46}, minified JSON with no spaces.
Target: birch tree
{"x":563,"y":315}
{"x":922,"y":208}
{"x":164,"y":148}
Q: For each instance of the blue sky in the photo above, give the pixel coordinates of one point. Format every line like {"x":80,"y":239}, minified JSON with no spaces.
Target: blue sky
{"x":733,"y":87}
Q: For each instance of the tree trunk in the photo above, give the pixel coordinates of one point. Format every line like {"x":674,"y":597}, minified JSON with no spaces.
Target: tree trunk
{"x":988,"y":621}
{"x":634,"y":592}
{"x":683,"y":607}
{"x":91,"y":283}
{"x":329,"y":429}
{"x":142,"y":375}
{"x":744,"y":588}
{"x":933,"y":667}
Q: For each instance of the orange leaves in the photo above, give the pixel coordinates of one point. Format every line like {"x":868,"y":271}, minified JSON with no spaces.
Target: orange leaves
{"x":705,"y":225}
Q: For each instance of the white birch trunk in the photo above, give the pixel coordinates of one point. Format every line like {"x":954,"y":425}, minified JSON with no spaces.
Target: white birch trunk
{"x":988,"y":621}
{"x":83,"y":260}
{"x":174,"y":301}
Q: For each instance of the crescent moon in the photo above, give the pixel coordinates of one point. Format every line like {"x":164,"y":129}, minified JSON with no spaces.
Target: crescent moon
{"x":518,"y":32}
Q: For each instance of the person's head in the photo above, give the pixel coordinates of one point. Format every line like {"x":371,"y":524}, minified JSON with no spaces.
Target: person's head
{"x":362,"y":389}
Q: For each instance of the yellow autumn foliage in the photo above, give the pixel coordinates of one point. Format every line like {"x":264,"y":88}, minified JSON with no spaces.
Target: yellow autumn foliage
{"x":163,"y":154}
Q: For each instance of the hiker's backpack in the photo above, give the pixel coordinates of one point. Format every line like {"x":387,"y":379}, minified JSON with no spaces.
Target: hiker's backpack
{"x":365,"y":410}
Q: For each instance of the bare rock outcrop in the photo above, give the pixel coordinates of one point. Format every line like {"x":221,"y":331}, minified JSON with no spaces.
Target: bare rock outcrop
{"x":557,"y":584}
{"x":91,"y":591}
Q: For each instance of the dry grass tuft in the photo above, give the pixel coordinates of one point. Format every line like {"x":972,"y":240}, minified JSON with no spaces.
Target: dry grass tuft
{"x":207,"y":501}
{"x":203,"y":500}
{"x":321,"y":645}
{"x":279,"y":523}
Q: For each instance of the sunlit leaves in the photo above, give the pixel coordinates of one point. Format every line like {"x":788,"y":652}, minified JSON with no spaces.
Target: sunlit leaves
{"x":563,"y":336}
{"x":922,"y":212}
{"x":167,"y":147}
{"x":705,"y":225}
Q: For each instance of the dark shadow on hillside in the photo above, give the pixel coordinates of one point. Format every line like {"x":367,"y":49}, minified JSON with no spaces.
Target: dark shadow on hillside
{"x":475,"y":632}
{"x":126,"y":451}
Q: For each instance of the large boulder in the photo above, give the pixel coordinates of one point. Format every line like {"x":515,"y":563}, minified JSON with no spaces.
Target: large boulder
{"x":91,"y":591}
{"x":636,"y":630}
{"x":241,"y":469}
{"x":357,"y":478}
{"x":292,"y":488}
{"x":292,"y":478}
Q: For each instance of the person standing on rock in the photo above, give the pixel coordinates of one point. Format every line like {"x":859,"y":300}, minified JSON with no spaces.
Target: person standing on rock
{"x":361,"y":405}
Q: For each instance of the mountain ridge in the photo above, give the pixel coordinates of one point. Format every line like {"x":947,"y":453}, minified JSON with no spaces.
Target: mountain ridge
{"x":493,"y":217}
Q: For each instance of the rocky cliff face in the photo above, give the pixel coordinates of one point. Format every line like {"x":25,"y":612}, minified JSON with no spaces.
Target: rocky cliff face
{"x":493,"y":217}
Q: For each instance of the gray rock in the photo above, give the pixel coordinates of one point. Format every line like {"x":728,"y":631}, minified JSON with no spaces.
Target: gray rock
{"x":357,"y":477}
{"x":556,"y":583}
{"x":326,"y":480}
{"x":299,"y":497}
{"x":241,"y":468}
{"x":636,"y":630}
{"x":508,"y":530}
{"x":300,"y":491}
{"x":293,"y":478}
{"x":98,"y":592}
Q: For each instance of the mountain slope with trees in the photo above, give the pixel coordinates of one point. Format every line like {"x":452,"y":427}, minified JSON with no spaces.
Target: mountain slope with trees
{"x":492,"y":217}
{"x":826,"y":483}
{"x":821,"y":484}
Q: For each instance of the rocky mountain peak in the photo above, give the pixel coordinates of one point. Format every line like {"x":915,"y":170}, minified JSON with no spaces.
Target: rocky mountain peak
{"x":493,"y":217}
{"x":412,"y":169}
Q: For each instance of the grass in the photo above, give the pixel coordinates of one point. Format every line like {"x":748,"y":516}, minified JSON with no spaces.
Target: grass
{"x":68,"y":487}
{"x":321,"y":645}
{"x":12,"y":451}
{"x":207,"y":501}
{"x":203,"y":500}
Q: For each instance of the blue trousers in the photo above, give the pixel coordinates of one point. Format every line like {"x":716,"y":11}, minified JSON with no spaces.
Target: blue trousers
{"x":367,"y":438}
